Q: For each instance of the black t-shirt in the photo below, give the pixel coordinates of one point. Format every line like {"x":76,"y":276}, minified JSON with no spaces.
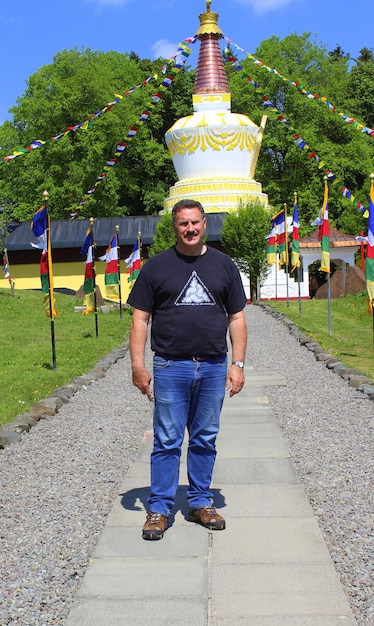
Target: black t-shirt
{"x":189,"y":298}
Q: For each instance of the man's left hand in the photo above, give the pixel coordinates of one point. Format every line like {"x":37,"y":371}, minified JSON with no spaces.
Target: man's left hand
{"x":235,"y":380}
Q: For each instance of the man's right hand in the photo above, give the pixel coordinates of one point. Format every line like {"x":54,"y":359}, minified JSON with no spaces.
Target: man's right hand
{"x":141,"y":378}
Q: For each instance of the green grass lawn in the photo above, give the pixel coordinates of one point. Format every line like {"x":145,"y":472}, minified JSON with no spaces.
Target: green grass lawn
{"x":26,"y":364}
{"x":26,"y":367}
{"x":351,"y":339}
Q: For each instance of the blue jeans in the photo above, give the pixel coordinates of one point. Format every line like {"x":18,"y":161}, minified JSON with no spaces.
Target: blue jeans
{"x":188,"y":394}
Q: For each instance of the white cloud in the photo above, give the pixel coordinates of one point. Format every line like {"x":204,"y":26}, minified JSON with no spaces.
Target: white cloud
{"x":265,"y":6}
{"x":164,"y":49}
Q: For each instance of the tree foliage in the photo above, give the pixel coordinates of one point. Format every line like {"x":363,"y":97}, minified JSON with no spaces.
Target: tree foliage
{"x":80,"y":82}
{"x":243,"y":238}
{"x":164,"y":236}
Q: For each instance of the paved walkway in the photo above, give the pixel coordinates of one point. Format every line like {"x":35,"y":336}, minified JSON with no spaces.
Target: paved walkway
{"x":270,"y":567}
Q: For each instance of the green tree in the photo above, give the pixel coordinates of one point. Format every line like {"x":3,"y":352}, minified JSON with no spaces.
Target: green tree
{"x":361,"y":87}
{"x":67,"y":92}
{"x":243,"y":238}
{"x":164,"y":236}
{"x":283,"y":167}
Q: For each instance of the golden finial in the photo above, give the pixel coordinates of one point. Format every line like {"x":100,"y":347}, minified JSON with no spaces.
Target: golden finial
{"x":372,"y":178}
{"x":209,"y":22}
{"x":91,"y":220}
{"x":45,"y":195}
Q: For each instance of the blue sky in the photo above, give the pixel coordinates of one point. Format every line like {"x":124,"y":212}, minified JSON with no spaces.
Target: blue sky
{"x":32,"y":32}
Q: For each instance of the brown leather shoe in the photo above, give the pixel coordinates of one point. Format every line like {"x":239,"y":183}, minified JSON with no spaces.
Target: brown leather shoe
{"x":208,"y":517}
{"x":155,"y":526}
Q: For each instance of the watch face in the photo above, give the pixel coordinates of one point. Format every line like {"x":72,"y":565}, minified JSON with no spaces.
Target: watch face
{"x":238,"y":363}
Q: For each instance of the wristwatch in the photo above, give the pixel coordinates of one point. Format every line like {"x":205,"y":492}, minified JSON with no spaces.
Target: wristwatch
{"x":238,"y":364}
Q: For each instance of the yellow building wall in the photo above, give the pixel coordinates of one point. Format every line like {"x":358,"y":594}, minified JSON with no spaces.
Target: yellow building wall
{"x":65,"y":275}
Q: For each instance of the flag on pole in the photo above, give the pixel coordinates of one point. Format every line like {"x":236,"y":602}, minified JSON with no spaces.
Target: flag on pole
{"x":6,"y":269}
{"x":279,"y":223}
{"x":369,"y":260}
{"x":295,"y":251}
{"x":322,"y":222}
{"x":271,"y":253}
{"x":111,"y":278}
{"x":134,"y":262}
{"x":39,"y":227}
{"x":89,"y":274}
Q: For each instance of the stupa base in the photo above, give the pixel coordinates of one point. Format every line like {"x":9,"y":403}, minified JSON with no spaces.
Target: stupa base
{"x":223,"y":195}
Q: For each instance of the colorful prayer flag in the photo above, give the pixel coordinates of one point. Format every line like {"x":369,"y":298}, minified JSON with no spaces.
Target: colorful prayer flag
{"x":134,"y":262}
{"x":369,"y":261}
{"x":89,"y":274}
{"x":272,"y":246}
{"x":279,"y":223}
{"x":39,"y":227}
{"x":295,"y":252}
{"x":324,"y":231}
{"x":111,"y":278}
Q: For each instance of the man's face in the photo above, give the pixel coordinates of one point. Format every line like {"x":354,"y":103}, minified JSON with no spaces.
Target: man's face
{"x":189,"y":227}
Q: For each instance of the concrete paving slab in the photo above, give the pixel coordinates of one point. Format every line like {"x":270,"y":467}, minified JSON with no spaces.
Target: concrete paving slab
{"x":264,"y":379}
{"x":146,"y":578}
{"x":247,"y":415}
{"x":253,"y":471}
{"x":289,"y":620}
{"x":267,"y":448}
{"x":249,"y":431}
{"x":259,"y":590}
{"x":189,"y":540}
{"x":279,"y":500}
{"x":244,"y":399}
{"x":270,"y":540}
{"x":139,"y":612}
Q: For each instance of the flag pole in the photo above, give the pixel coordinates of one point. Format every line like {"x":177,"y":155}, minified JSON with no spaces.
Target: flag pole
{"x":140,"y":245}
{"x":50,"y":281}
{"x":119,"y":272}
{"x":329,"y":321}
{"x":298,"y":267}
{"x":94,"y":277}
{"x":368,"y":244}
{"x":7,"y":271}
{"x":286,"y":241}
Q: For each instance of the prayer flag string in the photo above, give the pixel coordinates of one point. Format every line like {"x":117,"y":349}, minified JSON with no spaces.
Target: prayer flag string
{"x":87,"y":123}
{"x":298,"y":140}
{"x":179,"y":59}
{"x":349,"y":120}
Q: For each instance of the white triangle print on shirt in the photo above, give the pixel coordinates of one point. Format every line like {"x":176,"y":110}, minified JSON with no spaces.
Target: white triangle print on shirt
{"x":195,"y":293}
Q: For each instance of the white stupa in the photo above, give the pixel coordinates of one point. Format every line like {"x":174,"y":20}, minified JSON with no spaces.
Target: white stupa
{"x":214,"y":151}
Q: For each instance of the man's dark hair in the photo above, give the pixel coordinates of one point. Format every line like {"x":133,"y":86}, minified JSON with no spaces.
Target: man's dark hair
{"x":187,"y":204}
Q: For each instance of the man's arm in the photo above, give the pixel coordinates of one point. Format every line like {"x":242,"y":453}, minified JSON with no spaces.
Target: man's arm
{"x":238,"y":337}
{"x":141,"y":378}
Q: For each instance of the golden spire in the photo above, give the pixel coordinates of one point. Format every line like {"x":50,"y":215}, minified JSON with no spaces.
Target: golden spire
{"x":210,"y":72}
{"x":209,"y":22}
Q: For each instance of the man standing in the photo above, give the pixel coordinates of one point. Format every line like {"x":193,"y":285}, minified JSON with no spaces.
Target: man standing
{"x":193,"y":293}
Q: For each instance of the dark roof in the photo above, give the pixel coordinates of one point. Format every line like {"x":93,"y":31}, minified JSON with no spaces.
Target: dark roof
{"x":72,"y":233}
{"x":337,"y":239}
